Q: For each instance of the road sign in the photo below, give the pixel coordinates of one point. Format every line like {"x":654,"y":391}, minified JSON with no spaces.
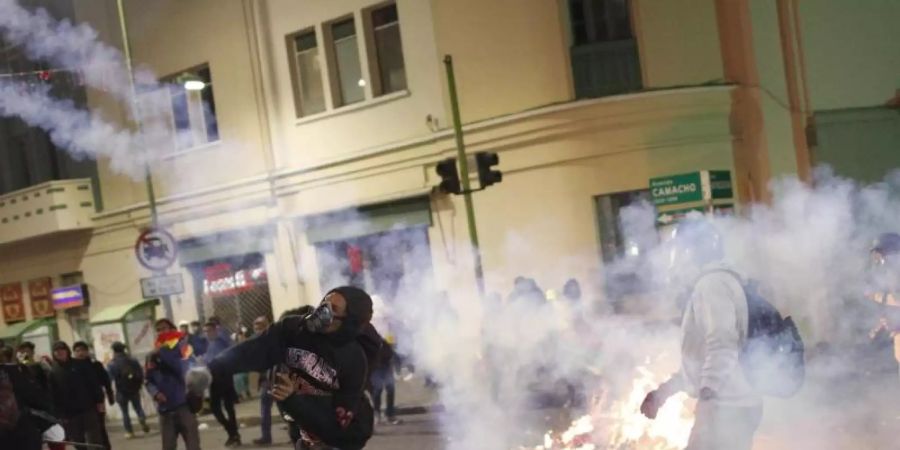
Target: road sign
{"x":676,"y":189}
{"x":156,"y":249}
{"x":155,"y":287}
{"x":691,"y":187}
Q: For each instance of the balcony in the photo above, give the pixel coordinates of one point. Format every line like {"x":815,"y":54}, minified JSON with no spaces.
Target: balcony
{"x":46,"y":208}
{"x":605,"y":68}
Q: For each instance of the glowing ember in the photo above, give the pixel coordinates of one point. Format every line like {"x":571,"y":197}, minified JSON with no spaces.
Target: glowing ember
{"x":621,"y":425}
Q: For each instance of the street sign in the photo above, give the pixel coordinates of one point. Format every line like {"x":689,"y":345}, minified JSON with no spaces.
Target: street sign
{"x":156,"y":249}
{"x":155,"y":287}
{"x":676,"y":189}
{"x":691,"y":187}
{"x":670,"y":217}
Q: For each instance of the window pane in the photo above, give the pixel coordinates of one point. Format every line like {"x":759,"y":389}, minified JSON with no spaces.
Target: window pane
{"x":209,"y":113}
{"x":389,"y":51}
{"x":181,"y":116}
{"x":306,"y":41}
{"x":385,"y":16}
{"x":312,"y":93}
{"x":346,"y":52}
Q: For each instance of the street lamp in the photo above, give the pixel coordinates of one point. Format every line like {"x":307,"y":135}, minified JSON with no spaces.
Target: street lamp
{"x":191,"y":82}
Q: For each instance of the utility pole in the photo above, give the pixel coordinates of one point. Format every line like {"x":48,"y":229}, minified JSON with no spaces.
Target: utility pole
{"x":464,"y":174}
{"x":135,"y":109}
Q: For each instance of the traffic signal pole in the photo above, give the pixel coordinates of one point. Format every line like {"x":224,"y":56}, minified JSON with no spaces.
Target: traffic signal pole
{"x":464,"y":174}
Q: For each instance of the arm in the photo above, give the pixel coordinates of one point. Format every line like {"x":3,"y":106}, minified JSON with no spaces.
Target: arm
{"x":714,"y":307}
{"x":353,"y":382}
{"x":256,"y":354}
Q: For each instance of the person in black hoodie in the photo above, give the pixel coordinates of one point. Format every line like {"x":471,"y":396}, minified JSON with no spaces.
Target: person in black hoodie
{"x":77,"y":396}
{"x":16,"y":380}
{"x":83,"y":353}
{"x":322,"y":367}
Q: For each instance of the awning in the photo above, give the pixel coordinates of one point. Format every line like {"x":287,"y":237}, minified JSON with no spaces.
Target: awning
{"x":366,"y":220}
{"x":16,"y":330}
{"x":117,"y":313}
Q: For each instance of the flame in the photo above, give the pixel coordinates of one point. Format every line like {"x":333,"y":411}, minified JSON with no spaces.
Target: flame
{"x":622,"y":426}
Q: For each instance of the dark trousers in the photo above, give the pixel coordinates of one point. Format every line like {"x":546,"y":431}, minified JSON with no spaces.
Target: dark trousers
{"x":723,"y":427}
{"x":25,"y":436}
{"x":103,"y":434}
{"x":265,"y":416}
{"x":222,"y":397}
{"x":316,"y":415}
{"x":84,"y":427}
{"x":383,"y":380}
{"x":180,"y":421}
{"x":135,"y":401}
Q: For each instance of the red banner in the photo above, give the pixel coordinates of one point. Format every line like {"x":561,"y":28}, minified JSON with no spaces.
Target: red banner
{"x":12,"y":301}
{"x":41,"y":304}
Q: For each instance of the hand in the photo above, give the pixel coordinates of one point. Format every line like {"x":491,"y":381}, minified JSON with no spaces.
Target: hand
{"x":159,"y":397}
{"x":283,"y":387}
{"x":651,"y":404}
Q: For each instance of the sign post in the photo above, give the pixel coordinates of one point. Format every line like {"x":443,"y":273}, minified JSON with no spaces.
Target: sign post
{"x":156,"y":249}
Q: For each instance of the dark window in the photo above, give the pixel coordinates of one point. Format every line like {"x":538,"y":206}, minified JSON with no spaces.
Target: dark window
{"x":599,"y":21}
{"x":346,"y":57}
{"x":309,"y":91}
{"x":388,"y":50}
{"x":193,"y":111}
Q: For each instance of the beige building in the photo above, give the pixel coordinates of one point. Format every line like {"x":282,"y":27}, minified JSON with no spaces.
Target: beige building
{"x":309,"y":157}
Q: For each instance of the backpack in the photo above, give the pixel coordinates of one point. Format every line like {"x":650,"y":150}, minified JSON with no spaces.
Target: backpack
{"x":129,"y":379}
{"x":772,"y":355}
{"x":9,"y":407}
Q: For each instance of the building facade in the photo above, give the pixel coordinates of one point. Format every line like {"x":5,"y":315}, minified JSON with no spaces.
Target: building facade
{"x":308,"y":159}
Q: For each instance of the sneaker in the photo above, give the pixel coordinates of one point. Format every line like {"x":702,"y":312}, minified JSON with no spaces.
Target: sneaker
{"x":233,"y":441}
{"x":262,"y":441}
{"x":129,"y":435}
{"x":393,"y":421}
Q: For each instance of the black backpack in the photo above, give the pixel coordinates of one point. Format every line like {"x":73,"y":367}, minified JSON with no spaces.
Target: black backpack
{"x":772,"y":356}
{"x":130,"y":378}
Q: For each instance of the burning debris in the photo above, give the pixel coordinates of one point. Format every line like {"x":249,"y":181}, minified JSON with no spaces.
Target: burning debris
{"x":619,"y":425}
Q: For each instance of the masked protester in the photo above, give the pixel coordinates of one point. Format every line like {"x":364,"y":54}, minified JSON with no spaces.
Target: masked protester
{"x":713,"y":329}
{"x":77,"y":396}
{"x":322,"y":367}
{"x":82,"y":353}
{"x":25,"y":354}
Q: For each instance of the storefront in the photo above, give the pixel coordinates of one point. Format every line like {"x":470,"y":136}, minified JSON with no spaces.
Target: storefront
{"x":230,"y":275}
{"x":131,"y":324}
{"x":382,"y":248}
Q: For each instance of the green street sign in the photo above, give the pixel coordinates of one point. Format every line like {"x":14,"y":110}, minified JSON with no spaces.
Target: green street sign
{"x":720,"y":184}
{"x":694,"y":187}
{"x":676,"y":189}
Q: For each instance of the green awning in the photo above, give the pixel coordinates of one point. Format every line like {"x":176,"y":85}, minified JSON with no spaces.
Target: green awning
{"x":16,"y":330}
{"x":370,"y":219}
{"x":117,"y":313}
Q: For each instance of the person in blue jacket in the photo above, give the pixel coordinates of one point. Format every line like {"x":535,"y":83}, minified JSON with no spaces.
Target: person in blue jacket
{"x":166,"y":367}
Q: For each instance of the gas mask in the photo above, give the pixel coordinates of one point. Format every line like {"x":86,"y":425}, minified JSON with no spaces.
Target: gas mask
{"x":319,"y":320}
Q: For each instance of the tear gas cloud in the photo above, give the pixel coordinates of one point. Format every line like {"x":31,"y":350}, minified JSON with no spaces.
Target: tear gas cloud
{"x":809,"y":247}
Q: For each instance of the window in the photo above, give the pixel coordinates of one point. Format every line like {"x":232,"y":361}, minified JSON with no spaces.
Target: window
{"x":388,"y":50}
{"x":194,"y":111}
{"x":346,"y":61}
{"x":614,"y":239}
{"x":308,"y":88}
{"x":599,"y":21}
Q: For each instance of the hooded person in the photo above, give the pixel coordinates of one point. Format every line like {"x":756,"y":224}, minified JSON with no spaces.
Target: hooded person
{"x":714,"y":330}
{"x":77,"y":396}
{"x":321,"y":362}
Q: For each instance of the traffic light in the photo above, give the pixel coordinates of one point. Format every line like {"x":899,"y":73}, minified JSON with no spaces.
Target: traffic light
{"x":486,"y":174}
{"x":449,"y":176}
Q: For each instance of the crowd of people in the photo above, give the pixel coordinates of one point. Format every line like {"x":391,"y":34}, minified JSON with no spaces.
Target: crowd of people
{"x":329,"y":351}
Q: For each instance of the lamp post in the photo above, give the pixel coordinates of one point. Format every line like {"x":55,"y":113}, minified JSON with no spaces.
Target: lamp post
{"x":135,"y":109}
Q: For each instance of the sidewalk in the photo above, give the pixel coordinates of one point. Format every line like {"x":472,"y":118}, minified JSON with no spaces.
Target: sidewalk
{"x":412,"y":398}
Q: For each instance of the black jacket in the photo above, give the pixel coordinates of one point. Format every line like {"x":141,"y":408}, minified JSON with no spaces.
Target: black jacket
{"x":29,"y":397}
{"x":74,"y":387}
{"x":329,"y":379}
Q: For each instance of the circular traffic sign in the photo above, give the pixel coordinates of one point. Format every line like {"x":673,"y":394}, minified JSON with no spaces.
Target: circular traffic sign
{"x":156,"y":249}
